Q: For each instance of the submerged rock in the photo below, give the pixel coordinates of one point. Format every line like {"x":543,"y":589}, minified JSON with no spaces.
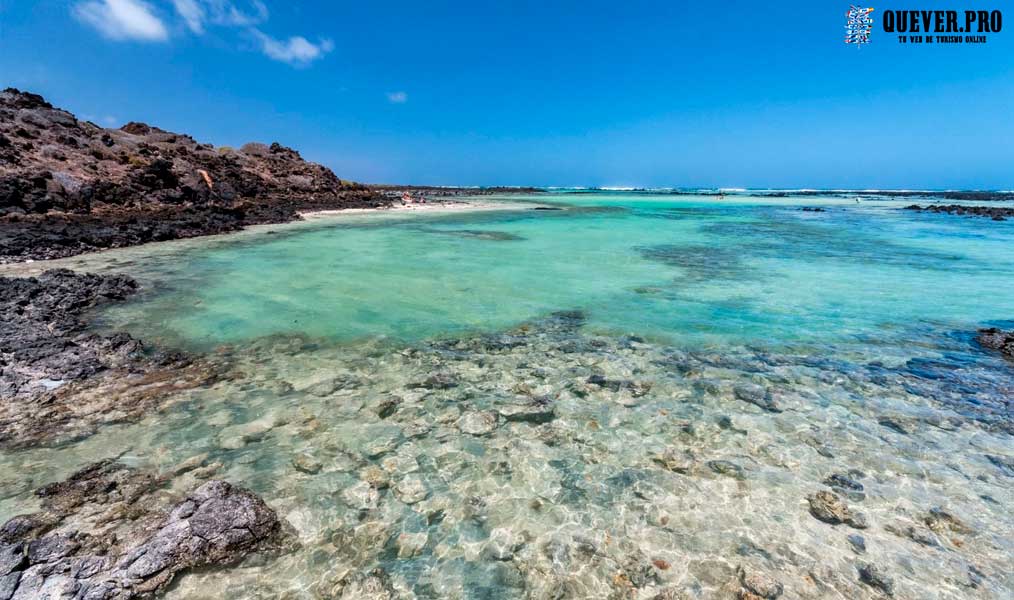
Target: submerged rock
{"x":387,"y":406}
{"x":478,"y":423}
{"x":874,"y":576}
{"x":362,"y":496}
{"x":375,"y":476}
{"x":411,"y":490}
{"x":502,"y":544}
{"x":307,"y":464}
{"x":637,"y":389}
{"x":675,"y":460}
{"x":839,"y":480}
{"x":437,"y":381}
{"x":374,"y":585}
{"x":830,"y":508}
{"x":846,"y":486}
{"x":940,"y":521}
{"x":479,"y":234}
{"x":758,"y":396}
{"x":760,"y":584}
{"x":727,"y":468}
{"x":527,"y":410}
{"x":216,"y":524}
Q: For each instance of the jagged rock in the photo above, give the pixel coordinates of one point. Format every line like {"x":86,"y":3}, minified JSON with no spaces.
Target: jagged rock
{"x":50,"y":359}
{"x":216,"y":524}
{"x":997,"y":339}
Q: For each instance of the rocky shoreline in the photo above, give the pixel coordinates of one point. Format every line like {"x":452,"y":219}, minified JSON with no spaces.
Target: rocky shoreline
{"x":60,"y":381}
{"x":997,"y":213}
{"x":997,"y":339}
{"x":69,"y":186}
{"x":109,"y":531}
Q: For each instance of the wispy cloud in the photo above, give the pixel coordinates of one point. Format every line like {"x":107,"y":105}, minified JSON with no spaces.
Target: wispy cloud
{"x":192,"y":14}
{"x":226,"y":13}
{"x":296,"y":50}
{"x":122,"y":19}
{"x":397,"y":97}
{"x":196,"y":14}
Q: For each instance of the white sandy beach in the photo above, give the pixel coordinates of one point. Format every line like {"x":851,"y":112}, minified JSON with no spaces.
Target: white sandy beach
{"x":428,"y":207}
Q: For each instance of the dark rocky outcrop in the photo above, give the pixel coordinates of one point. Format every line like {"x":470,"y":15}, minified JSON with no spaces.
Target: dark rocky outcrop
{"x":109,"y":532}
{"x":69,"y":186}
{"x":997,"y":339}
{"x":997,"y":213}
{"x":57,"y":379}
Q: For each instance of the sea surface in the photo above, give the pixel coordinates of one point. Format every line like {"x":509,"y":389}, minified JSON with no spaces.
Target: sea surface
{"x":615,"y":395}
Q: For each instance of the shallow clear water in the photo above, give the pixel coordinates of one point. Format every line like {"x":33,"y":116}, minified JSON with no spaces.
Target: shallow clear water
{"x":686,"y":270}
{"x":856,"y":321}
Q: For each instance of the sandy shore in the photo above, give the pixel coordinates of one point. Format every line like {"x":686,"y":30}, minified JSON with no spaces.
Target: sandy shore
{"x":428,"y":207}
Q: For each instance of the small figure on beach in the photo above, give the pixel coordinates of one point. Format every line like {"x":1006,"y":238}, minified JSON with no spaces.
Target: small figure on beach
{"x":408,"y":198}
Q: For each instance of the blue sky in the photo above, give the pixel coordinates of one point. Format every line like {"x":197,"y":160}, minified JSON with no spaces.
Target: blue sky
{"x":734,"y":94}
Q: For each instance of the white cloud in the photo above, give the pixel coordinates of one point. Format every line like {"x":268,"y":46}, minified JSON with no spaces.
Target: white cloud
{"x":138,"y":20}
{"x":122,"y":19}
{"x":397,"y":97}
{"x":192,"y":13}
{"x":297,"y":50}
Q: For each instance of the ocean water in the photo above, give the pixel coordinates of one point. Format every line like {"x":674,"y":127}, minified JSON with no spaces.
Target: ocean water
{"x":629,"y":396}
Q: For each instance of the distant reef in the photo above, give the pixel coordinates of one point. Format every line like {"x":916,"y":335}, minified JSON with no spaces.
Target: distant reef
{"x":997,"y":213}
{"x":68,"y":186}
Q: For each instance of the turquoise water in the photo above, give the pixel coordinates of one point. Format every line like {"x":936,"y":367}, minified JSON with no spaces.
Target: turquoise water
{"x":683,"y":269}
{"x":630,"y":397}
